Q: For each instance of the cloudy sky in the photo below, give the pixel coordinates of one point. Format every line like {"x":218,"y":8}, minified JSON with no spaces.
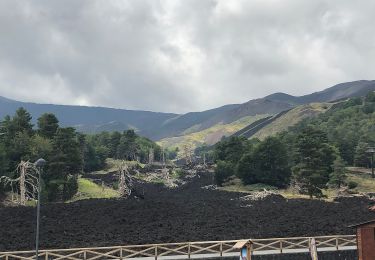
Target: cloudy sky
{"x":180,"y":56}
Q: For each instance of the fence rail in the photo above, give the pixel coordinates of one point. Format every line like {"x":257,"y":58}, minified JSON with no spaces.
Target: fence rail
{"x":190,"y":250}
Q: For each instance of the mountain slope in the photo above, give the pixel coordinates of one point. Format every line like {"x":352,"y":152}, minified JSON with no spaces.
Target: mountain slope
{"x":161,"y":125}
{"x":290,"y":118}
{"x":209,"y":135}
{"x":91,"y":119}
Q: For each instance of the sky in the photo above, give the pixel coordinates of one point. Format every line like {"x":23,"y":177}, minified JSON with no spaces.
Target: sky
{"x":180,"y":56}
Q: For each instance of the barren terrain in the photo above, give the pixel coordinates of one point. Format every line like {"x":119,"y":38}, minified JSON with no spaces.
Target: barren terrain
{"x":188,"y":213}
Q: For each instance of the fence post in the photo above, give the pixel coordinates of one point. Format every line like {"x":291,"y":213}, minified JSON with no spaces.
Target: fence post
{"x":189,"y":250}
{"x":120,"y":253}
{"x":281,"y":246}
{"x":156,"y":252}
{"x":84,"y":255}
{"x":6,"y":257}
{"x":46,"y":256}
{"x":221,"y":249}
{"x":337,"y":243}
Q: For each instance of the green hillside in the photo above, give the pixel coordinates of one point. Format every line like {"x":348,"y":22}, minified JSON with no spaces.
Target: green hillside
{"x":311,"y":157}
{"x":208,"y":136}
{"x":291,"y":118}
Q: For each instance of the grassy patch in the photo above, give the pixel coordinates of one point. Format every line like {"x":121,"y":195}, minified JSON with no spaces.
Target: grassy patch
{"x":209,"y":135}
{"x":236,"y":185}
{"x":291,"y":118}
{"x":90,"y":190}
{"x":364,"y":181}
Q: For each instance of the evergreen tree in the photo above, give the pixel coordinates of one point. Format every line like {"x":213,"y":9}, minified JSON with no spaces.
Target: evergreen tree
{"x":231,"y":149}
{"x":223,"y":171}
{"x":361,"y":157}
{"x":41,"y":147}
{"x":21,"y":122}
{"x":114,"y":143}
{"x":48,"y":125}
{"x":65,"y":162}
{"x":314,"y":160}
{"x":128,"y":147}
{"x":338,"y":176}
{"x":267,"y":164}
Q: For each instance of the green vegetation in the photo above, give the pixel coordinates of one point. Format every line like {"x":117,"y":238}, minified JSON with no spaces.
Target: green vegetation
{"x":59,"y":146}
{"x":291,"y":118}
{"x":338,"y":176}
{"x":207,"y":136}
{"x":224,"y":170}
{"x":311,"y":156}
{"x":313,"y":159}
{"x":266,"y":163}
{"x":67,"y":152}
{"x":89,"y":190}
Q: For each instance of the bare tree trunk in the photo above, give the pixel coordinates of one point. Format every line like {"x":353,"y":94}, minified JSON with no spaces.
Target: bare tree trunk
{"x":27,"y":183}
{"x":151,"y":156}
{"x":125,"y":181}
{"x":22,"y":183}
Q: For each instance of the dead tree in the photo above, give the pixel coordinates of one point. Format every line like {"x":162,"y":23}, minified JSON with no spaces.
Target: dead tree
{"x":26,"y":184}
{"x":151,"y":156}
{"x":163,"y":156}
{"x":187,"y":150}
{"x":165,"y":174}
{"x":125,"y":183}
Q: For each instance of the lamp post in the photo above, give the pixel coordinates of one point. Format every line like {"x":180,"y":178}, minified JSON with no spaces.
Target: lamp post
{"x":371,"y":151}
{"x":39,"y":165}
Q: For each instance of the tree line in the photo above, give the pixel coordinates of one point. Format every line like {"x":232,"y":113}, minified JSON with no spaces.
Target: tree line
{"x":310,"y":156}
{"x":68,"y":152}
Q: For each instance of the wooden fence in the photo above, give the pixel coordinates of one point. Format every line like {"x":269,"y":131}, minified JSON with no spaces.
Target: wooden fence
{"x":190,"y":250}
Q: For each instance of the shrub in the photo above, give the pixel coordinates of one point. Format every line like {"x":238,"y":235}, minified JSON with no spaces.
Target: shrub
{"x":352,"y":185}
{"x":223,"y":171}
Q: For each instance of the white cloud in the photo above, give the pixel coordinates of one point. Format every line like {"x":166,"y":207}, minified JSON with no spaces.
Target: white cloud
{"x":180,"y":56}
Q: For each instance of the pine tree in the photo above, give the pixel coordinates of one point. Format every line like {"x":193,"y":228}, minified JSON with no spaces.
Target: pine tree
{"x":314,"y":159}
{"x":338,"y":176}
{"x":48,"y":125}
{"x":361,"y":157}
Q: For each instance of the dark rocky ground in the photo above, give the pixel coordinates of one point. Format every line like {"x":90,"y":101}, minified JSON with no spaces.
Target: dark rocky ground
{"x":188,"y":213}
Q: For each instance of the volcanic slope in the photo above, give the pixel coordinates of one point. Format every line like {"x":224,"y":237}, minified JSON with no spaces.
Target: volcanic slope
{"x":188,"y":213}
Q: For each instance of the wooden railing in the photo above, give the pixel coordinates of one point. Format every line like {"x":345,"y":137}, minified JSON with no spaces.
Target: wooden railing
{"x":190,"y":249}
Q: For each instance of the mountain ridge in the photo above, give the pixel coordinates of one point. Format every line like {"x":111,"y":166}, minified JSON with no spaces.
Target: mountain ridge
{"x":158,"y":125}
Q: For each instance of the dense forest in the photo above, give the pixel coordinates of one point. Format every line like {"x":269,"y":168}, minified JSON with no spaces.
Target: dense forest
{"x":67,"y":152}
{"x":311,"y":155}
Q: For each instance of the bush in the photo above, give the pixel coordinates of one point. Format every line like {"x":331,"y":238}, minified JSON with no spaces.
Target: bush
{"x":223,"y":171}
{"x":70,"y":187}
{"x":267,"y":164}
{"x":352,"y":185}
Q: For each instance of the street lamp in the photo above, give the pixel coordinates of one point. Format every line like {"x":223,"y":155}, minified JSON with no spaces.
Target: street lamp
{"x":39,"y":166}
{"x":371,"y":151}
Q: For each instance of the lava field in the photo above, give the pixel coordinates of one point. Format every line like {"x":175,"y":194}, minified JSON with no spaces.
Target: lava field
{"x":188,"y":213}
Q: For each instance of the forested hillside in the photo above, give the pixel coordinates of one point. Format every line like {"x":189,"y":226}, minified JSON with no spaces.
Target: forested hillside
{"x":310,"y":156}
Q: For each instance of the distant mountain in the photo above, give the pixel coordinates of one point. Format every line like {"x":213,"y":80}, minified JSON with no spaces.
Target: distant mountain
{"x":190,"y":122}
{"x":160,"y":125}
{"x":337,"y":92}
{"x":91,"y":119}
